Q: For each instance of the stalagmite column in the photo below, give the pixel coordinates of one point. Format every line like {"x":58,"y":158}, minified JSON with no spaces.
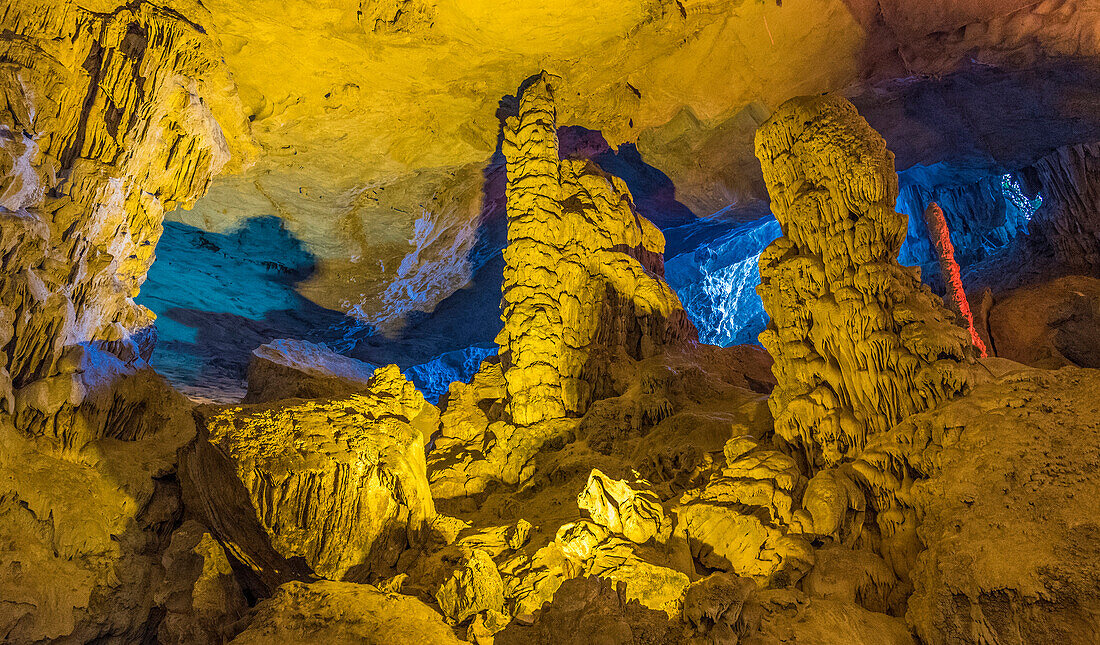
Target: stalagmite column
{"x":108,"y":120}
{"x":531,"y":291}
{"x":583,"y":273}
{"x":949,"y":270}
{"x":1069,"y":219}
{"x":858,"y":342}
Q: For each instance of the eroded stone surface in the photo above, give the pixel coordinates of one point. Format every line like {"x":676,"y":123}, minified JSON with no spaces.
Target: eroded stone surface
{"x":582,"y":271}
{"x":343,"y":613}
{"x":334,"y":487}
{"x":1000,"y":484}
{"x":113,"y":116}
{"x":859,"y":343}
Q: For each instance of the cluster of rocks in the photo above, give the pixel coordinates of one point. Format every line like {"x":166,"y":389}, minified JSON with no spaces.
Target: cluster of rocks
{"x":604,"y":479}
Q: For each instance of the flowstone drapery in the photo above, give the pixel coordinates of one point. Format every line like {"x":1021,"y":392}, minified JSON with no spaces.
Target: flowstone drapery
{"x":108,"y":121}
{"x":858,"y":342}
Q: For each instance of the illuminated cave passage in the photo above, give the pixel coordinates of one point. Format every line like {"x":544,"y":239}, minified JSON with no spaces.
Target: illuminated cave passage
{"x":518,"y":323}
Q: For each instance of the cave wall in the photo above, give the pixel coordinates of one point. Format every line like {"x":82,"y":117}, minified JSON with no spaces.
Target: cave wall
{"x":110,"y":120}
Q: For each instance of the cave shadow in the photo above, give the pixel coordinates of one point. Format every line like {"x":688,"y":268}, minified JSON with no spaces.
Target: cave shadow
{"x":218,"y":296}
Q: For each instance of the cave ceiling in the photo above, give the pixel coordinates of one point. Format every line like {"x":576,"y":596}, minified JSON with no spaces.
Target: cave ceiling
{"x":377,"y":121}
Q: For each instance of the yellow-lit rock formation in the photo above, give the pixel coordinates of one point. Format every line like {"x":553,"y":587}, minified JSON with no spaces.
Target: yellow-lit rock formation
{"x":582,"y":273}
{"x":110,"y":119}
{"x":335,"y":488}
{"x":858,"y":342}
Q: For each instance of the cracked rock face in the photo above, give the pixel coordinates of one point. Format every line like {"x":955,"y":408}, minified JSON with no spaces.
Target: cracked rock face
{"x":334,"y":487}
{"x":859,"y":343}
{"x":110,"y":120}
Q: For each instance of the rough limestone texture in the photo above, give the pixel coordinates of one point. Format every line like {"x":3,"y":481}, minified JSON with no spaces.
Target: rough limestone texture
{"x":1000,"y":490}
{"x":200,"y":595}
{"x":1068,"y":222}
{"x":593,"y":610}
{"x":110,"y":119}
{"x":335,"y":488}
{"x":858,"y":342}
{"x":284,"y":369}
{"x":342,"y":613}
{"x":583,"y":271}
{"x":740,"y":521}
{"x":1049,"y":325}
{"x":626,"y":508}
{"x":84,"y":516}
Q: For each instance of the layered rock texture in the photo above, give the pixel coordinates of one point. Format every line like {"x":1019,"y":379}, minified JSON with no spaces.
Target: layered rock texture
{"x":110,"y":120}
{"x":583,"y":272}
{"x":859,"y":342}
{"x":603,"y":477}
{"x":1069,"y":219}
{"x":335,"y":488}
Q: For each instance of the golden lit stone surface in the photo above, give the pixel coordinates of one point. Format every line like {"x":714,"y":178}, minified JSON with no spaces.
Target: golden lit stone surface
{"x":604,"y":478}
{"x":859,"y":342}
{"x":335,"y":487}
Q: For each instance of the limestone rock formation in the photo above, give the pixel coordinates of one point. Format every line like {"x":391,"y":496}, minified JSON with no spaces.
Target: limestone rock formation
{"x":582,"y":271}
{"x":284,"y":369}
{"x":343,"y":613}
{"x":1049,"y":325}
{"x":476,"y":444}
{"x":859,"y":343}
{"x":111,"y":119}
{"x":949,"y":272}
{"x":1001,"y":484}
{"x":740,"y":521}
{"x":592,"y":610}
{"x":1068,"y":222}
{"x":473,"y":588}
{"x":629,"y":509}
{"x":87,"y":503}
{"x":200,"y":595}
{"x":335,"y":488}
{"x":788,"y":616}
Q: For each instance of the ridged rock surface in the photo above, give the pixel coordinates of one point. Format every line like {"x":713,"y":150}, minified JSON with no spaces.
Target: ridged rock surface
{"x":1069,"y":219}
{"x":858,"y":342}
{"x":110,"y":119}
{"x":583,"y":272}
{"x":335,"y":488}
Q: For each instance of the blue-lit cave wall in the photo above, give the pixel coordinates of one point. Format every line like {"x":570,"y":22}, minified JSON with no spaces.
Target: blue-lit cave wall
{"x":713,"y":263}
{"x":218,"y":296}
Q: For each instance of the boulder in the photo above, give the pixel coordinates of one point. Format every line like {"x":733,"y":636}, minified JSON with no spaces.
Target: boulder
{"x":1049,"y":325}
{"x":284,"y":369}
{"x":343,"y":613}
{"x":334,"y":488}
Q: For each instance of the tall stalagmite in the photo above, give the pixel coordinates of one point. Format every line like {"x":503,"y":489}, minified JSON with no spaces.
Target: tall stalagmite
{"x":858,"y":342}
{"x":109,"y":119}
{"x":950,"y":272}
{"x":583,"y":274}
